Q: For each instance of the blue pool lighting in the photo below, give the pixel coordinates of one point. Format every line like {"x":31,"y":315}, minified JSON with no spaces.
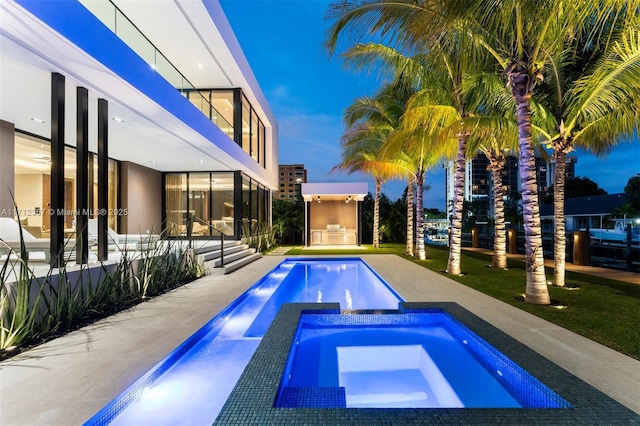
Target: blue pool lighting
{"x":402,"y":360}
{"x":192,"y":383}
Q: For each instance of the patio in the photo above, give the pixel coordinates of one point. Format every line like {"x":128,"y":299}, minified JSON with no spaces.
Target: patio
{"x":67,"y":380}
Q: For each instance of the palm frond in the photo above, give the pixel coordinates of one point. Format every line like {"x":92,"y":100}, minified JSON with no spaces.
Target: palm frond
{"x":614,"y":82}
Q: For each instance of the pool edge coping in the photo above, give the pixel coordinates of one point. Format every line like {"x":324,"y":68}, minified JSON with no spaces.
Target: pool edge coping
{"x":252,"y":399}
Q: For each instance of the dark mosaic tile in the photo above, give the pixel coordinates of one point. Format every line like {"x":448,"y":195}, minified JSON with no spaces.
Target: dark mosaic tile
{"x":252,"y":400}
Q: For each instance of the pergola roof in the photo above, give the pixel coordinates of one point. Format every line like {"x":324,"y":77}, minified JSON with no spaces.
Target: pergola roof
{"x":334,"y":190}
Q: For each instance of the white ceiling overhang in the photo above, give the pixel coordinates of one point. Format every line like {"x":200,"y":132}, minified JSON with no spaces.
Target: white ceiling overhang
{"x":334,"y":191}
{"x":145,"y":133}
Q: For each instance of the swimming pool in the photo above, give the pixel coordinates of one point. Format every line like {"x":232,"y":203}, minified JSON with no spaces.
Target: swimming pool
{"x":252,"y":399}
{"x":192,"y":383}
{"x":416,"y":359}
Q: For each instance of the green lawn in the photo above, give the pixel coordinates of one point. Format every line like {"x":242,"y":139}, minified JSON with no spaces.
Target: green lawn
{"x":603,"y":310}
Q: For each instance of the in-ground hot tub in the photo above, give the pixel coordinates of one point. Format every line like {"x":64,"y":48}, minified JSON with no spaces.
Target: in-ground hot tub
{"x":266,"y":394}
{"x":411,"y":360}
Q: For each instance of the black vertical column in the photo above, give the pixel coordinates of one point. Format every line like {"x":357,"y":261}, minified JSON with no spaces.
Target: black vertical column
{"x":56,"y":208}
{"x":359,"y":213}
{"x":237,"y":204}
{"x":103,"y":178}
{"x":82,"y":175}
{"x":237,"y":116}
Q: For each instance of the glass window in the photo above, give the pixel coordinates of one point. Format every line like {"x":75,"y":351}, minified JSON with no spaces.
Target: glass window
{"x":112,"y":200}
{"x":32,"y":187}
{"x":263,"y":205}
{"x":261,"y":144}
{"x":222,"y":101}
{"x":246,"y":125}
{"x":112,"y":190}
{"x":223,"y":209}
{"x":254,"y":201}
{"x":246,"y":199}
{"x":198,"y":100}
{"x":254,"y":136}
{"x":176,"y":203}
{"x":199,"y":186}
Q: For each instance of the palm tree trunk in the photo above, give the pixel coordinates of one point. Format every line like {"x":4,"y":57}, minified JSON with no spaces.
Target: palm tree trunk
{"x":409,"y":248}
{"x":376,"y":215}
{"x":559,"y":231}
{"x":536,"y":286}
{"x":420,"y":253}
{"x":499,"y":259}
{"x":453,"y":265}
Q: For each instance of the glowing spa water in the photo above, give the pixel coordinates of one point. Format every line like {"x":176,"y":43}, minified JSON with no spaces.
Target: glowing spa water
{"x":190,"y":386}
{"x":415,"y":359}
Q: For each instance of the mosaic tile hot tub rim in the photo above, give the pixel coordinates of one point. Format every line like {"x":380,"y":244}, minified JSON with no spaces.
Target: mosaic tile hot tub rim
{"x":252,"y":399}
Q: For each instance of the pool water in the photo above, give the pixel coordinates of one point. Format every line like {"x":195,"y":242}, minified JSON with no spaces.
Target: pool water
{"x":402,"y":360}
{"x":192,"y":383}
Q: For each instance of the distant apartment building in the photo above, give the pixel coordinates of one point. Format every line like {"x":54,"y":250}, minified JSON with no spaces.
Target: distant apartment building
{"x":292,"y":176}
{"x":479,"y":182}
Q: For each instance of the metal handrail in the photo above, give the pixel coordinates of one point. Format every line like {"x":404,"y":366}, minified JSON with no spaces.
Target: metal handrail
{"x":204,"y":222}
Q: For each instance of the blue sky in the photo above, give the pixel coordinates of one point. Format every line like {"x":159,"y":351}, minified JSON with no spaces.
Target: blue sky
{"x":308,"y":92}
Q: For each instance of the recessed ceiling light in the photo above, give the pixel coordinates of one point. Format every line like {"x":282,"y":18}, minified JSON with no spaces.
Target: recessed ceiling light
{"x":118,"y":119}
{"x":37,"y":120}
{"x":201,"y":161}
{"x":154,"y":162}
{"x":42,"y":159}
{"x":200,"y":66}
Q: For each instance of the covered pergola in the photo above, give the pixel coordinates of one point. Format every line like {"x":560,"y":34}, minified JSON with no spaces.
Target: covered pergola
{"x":333,"y":213}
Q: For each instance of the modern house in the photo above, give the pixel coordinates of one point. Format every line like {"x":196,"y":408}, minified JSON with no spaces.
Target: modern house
{"x":146,"y":116}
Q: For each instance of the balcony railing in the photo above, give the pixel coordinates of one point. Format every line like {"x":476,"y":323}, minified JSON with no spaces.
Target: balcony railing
{"x":126,"y":30}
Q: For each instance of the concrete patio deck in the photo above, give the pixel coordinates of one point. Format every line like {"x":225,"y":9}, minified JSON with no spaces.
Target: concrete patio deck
{"x":67,"y":380}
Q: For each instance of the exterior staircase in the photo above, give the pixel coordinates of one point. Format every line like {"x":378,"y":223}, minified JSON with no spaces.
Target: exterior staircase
{"x":236,"y":255}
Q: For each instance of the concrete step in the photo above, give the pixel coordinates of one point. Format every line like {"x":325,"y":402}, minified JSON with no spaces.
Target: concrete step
{"x":200,"y":247}
{"x":243,"y":251}
{"x":248,"y":256}
{"x":214,"y":253}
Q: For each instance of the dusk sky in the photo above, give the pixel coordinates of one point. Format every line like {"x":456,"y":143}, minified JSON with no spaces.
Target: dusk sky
{"x":308,"y":92}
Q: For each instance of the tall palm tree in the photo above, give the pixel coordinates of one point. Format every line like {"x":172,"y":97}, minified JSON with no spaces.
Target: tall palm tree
{"x":495,"y":135}
{"x":593,"y":99}
{"x":369,"y":123}
{"x":419,"y":138}
{"x":409,"y":247}
{"x":440,"y":104}
{"x":523,"y":36}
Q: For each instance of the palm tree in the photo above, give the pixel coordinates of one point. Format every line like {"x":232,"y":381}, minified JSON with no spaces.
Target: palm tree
{"x":439,"y":104}
{"x":369,"y":122}
{"x":409,"y":248}
{"x":418,"y":138}
{"x":496,"y":151}
{"x":593,"y":99}
{"x":523,"y":36}
{"x":495,"y":135}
